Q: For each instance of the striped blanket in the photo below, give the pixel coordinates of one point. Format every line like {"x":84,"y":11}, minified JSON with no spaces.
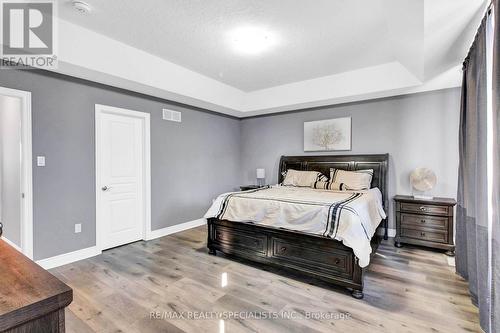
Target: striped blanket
{"x":348,"y":216}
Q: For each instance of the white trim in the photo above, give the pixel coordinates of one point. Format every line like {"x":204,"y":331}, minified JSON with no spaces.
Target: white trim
{"x":100,"y":109}
{"x":490,"y":152}
{"x":111,"y":66}
{"x":11,"y":243}
{"x":27,"y":171}
{"x":451,"y":261}
{"x":68,"y":258}
{"x":390,"y":232}
{"x":176,"y":228}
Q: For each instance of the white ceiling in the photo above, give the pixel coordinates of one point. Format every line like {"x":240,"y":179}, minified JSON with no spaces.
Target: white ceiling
{"x":333,"y":36}
{"x":326,"y":51}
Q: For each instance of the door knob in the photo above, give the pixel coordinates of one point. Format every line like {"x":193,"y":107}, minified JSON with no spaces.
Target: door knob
{"x":105,"y":188}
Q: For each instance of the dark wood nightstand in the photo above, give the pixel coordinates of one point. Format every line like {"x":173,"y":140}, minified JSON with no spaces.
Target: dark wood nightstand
{"x":425,"y":222}
{"x":249,"y":187}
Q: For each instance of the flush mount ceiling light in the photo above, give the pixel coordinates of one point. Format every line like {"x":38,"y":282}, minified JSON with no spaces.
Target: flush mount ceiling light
{"x":251,"y":40}
{"x":81,"y":7}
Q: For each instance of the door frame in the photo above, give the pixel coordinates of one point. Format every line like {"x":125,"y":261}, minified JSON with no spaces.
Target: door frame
{"x":146,"y":163}
{"x":26,"y":169}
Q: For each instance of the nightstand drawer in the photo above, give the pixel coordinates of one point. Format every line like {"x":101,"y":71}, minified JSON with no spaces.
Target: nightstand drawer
{"x":424,"y":209}
{"x":423,"y":221}
{"x":432,"y":236}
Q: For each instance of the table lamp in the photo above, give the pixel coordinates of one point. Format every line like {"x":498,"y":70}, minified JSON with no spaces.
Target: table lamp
{"x":261,"y":176}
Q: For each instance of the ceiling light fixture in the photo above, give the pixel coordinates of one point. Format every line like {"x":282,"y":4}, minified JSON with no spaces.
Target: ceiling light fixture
{"x":251,"y":40}
{"x":81,"y":7}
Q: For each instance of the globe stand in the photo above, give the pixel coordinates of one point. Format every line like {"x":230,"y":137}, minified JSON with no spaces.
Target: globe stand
{"x":423,"y":197}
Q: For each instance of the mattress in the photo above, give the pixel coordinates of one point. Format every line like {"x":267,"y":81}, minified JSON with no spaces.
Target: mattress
{"x":351,"y":217}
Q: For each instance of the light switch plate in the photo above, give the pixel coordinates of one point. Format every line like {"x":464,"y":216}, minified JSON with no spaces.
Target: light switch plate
{"x":78,"y":228}
{"x":40,"y":161}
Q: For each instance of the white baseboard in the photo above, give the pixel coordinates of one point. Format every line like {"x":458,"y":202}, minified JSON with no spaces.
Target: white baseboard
{"x":451,"y":261}
{"x":390,"y":232}
{"x":176,"y":228}
{"x":68,"y":258}
{"x":11,"y":243}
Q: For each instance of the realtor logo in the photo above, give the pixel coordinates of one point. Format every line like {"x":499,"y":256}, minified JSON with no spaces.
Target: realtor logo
{"x":28,"y":34}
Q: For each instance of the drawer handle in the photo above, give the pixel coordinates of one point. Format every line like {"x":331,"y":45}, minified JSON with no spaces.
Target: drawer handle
{"x":337,"y":261}
{"x":422,"y":221}
{"x":283,"y":249}
{"x":422,"y":234}
{"x":423,"y":209}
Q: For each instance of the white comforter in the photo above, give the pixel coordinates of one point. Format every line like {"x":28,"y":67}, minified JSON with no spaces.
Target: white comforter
{"x":351,"y":217}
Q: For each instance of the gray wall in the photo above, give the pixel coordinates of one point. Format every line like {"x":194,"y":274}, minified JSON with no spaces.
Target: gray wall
{"x":10,"y":167}
{"x":191,"y":162}
{"x":207,"y":154}
{"x":419,"y":130}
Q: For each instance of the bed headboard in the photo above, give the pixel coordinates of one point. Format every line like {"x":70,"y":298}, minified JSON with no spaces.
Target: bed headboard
{"x":378,"y":162}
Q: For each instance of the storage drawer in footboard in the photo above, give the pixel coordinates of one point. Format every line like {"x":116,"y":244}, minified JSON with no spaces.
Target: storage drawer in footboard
{"x":239,"y":240}
{"x":310,"y":257}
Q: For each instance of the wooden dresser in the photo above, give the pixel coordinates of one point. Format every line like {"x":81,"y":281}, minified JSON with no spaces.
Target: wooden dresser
{"x":249,"y":187}
{"x":31,"y":299}
{"x":425,"y":222}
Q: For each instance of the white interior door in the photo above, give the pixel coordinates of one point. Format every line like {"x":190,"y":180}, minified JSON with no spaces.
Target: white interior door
{"x":26,"y":186}
{"x":11,"y":168}
{"x":120,"y":162}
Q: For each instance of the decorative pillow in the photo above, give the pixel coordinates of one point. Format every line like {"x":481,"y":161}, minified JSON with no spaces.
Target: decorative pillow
{"x":329,"y":186}
{"x":302,"y":178}
{"x":353,"y":180}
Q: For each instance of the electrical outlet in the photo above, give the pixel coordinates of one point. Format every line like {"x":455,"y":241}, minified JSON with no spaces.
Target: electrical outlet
{"x":78,"y":228}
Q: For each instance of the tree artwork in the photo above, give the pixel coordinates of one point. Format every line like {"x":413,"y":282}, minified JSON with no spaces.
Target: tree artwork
{"x":326,"y":136}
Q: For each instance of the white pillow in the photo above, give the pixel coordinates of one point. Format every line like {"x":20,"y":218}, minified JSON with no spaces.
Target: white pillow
{"x":302,"y":178}
{"x":353,"y":180}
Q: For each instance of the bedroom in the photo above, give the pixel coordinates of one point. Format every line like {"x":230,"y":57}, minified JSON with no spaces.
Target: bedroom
{"x":126,"y":143}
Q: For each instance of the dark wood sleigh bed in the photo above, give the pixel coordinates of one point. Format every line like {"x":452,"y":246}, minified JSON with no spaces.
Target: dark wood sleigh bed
{"x":313,"y":255}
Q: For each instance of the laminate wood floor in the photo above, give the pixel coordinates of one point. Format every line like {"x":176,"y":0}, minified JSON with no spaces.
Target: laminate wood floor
{"x":148,"y":287}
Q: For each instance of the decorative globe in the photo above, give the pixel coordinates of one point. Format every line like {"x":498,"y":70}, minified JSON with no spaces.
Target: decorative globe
{"x":423,"y":179}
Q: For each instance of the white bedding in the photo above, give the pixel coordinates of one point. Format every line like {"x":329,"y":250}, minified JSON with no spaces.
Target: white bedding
{"x":351,"y":217}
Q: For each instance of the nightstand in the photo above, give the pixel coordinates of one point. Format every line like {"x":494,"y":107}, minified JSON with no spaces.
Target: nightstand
{"x":249,"y":187}
{"x":425,"y":222}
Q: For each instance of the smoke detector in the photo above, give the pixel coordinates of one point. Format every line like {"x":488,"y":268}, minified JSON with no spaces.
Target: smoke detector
{"x":81,"y":7}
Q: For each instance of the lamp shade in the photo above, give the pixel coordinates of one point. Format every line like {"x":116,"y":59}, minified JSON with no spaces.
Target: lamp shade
{"x":261,"y":173}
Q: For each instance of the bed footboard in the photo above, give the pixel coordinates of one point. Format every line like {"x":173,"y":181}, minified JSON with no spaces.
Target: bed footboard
{"x":314,"y":256}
